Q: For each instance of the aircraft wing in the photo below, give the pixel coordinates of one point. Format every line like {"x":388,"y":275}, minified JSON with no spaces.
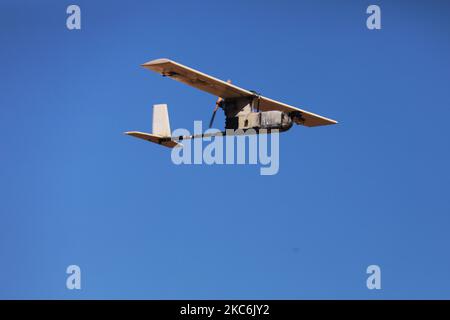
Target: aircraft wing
{"x":310,"y":119}
{"x":227,"y":90}
{"x":196,"y":79}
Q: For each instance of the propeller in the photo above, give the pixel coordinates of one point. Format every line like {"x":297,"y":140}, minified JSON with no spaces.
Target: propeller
{"x":218,"y":105}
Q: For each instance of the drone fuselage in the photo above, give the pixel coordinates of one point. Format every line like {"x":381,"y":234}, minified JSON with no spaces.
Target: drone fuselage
{"x":243,"y":114}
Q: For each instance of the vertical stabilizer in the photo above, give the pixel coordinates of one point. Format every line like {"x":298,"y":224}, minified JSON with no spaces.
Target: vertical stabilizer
{"x":161,"y":125}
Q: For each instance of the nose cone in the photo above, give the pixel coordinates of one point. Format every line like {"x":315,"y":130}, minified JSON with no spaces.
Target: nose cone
{"x":286,"y":122}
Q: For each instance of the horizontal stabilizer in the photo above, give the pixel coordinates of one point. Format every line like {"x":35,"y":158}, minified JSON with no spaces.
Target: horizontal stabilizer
{"x":154,"y":138}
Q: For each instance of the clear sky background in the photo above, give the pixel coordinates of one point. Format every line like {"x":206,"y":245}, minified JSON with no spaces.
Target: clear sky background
{"x":373,"y":189}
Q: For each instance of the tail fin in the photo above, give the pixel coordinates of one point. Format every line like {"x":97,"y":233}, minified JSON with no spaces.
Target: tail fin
{"x":161,"y":133}
{"x":161,"y":124}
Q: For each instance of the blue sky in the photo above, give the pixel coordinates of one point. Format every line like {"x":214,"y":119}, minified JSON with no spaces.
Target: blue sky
{"x":371,"y":190}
